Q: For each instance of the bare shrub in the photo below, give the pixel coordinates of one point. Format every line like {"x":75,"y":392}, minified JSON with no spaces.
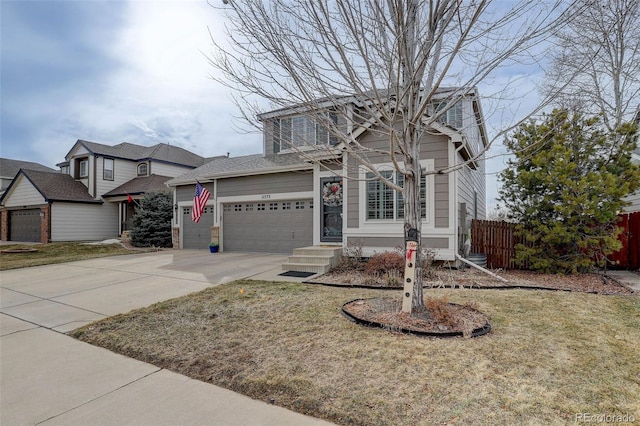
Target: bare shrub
{"x":438,"y":308}
{"x":351,"y":258}
{"x":381,"y":263}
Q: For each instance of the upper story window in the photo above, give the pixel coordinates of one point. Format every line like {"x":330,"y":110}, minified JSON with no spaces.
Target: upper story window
{"x":64,"y":170}
{"x":452,"y":116}
{"x":300,"y":130}
{"x":143,"y":169}
{"x":82,"y":168}
{"x":108,"y":169}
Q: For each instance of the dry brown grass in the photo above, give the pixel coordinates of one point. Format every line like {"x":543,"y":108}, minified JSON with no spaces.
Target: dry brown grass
{"x":51,"y":253}
{"x":550,"y":355}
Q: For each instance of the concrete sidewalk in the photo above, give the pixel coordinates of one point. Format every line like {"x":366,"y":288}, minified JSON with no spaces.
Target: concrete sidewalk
{"x":628,"y":278}
{"x":47,"y":377}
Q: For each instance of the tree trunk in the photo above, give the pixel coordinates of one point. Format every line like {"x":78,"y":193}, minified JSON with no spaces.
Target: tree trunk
{"x":413,"y":221}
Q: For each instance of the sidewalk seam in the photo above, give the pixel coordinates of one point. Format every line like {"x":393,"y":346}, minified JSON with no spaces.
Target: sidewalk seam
{"x":99,"y":397}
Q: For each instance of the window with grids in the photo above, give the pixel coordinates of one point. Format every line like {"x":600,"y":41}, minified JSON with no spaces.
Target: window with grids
{"x":301,"y":130}
{"x":383,"y":203}
{"x":452,"y":116}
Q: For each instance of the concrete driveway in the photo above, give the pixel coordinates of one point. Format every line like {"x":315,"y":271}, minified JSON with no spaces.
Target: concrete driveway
{"x":47,"y":377}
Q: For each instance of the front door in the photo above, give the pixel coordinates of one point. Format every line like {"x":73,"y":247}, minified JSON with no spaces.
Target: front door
{"x":331,"y":209}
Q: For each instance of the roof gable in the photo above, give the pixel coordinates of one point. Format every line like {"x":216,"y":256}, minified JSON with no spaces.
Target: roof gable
{"x":54,"y":186}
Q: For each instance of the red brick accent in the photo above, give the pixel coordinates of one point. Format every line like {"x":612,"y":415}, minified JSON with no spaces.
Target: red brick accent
{"x":4,"y":220}
{"x":175,"y":237}
{"x":45,"y":223}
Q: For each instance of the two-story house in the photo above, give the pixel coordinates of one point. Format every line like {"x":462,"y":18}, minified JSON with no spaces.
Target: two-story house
{"x":317,"y":194}
{"x":90,"y":198}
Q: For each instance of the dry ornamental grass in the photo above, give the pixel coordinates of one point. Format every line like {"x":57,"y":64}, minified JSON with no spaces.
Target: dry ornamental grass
{"x":550,"y":355}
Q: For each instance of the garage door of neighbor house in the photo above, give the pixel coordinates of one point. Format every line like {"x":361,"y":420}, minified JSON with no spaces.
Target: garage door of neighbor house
{"x":272,"y":227}
{"x":196,"y":235}
{"x":24,"y":225}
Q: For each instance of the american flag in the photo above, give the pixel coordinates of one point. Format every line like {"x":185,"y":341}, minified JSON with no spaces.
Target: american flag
{"x":200,"y":199}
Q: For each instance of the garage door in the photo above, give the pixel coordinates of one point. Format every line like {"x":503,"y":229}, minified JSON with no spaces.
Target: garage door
{"x":273,"y":227}
{"x":196,"y":235}
{"x":24,"y":225}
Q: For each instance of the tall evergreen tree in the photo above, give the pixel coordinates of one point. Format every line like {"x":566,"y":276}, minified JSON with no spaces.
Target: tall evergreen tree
{"x":565,"y":187}
{"x":152,"y":221}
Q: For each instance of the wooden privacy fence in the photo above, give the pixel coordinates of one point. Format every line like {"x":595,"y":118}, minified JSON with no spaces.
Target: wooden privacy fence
{"x":498,"y":241}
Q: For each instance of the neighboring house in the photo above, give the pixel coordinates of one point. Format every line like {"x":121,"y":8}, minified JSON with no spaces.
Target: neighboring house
{"x":634,"y":199}
{"x":10,"y":168}
{"x":278,"y":201}
{"x":88,"y":199}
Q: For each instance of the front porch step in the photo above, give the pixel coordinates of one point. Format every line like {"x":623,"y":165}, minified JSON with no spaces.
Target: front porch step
{"x":306,"y":267}
{"x":311,"y":259}
{"x":334,"y":251}
{"x":317,"y":259}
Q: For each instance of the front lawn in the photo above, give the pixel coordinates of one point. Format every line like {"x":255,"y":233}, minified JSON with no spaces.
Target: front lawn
{"x":58,"y":253}
{"x":550,"y":355}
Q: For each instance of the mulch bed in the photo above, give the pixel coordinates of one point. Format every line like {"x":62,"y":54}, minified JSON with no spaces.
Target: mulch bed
{"x":471,"y":278}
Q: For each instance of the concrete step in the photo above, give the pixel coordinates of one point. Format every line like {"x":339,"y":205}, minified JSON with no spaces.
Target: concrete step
{"x":306,"y":267}
{"x":318,"y":251}
{"x":311,"y":259}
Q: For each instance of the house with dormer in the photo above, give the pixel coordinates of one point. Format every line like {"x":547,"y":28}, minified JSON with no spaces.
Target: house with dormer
{"x":305,"y":189}
{"x":92,"y":196}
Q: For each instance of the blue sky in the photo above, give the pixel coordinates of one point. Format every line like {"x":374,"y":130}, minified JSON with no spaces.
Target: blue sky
{"x":115,"y":71}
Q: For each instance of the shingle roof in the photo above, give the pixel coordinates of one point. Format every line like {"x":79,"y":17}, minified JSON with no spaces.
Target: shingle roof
{"x":9,"y":168}
{"x":56,"y":186}
{"x":244,"y":165}
{"x":140,"y":185}
{"x":160,"y":152}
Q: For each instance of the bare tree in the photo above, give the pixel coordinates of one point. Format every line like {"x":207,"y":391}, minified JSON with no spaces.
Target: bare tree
{"x":596,"y":62}
{"x":391,"y":57}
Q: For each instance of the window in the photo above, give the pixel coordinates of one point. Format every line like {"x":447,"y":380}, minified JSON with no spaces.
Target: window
{"x":83,"y":168}
{"x":383,"y":203}
{"x":142,"y":169}
{"x":186,"y":211}
{"x":237,"y":208}
{"x":108,"y":169}
{"x":452,"y":116}
{"x":400,"y":197}
{"x":301,"y":130}
{"x":248,"y":207}
{"x":273,"y":206}
{"x":379,"y":197}
{"x":299,"y":205}
{"x":64,"y":170}
{"x":286,"y":205}
{"x":260,"y":206}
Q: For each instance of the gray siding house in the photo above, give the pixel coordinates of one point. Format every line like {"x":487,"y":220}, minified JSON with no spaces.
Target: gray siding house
{"x":316,"y":195}
{"x":87,"y":199}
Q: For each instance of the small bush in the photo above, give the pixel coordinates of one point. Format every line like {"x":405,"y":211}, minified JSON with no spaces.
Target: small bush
{"x":438,"y":308}
{"x":382,"y":263}
{"x":351,"y":258}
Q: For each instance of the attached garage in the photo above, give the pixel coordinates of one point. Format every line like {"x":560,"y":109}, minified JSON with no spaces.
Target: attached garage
{"x":272,"y":227}
{"x":196,"y":235}
{"x":24,"y":225}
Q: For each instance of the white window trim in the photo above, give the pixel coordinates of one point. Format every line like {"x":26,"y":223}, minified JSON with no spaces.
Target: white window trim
{"x":392,"y":226}
{"x":86,"y":172}
{"x":104,"y":169}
